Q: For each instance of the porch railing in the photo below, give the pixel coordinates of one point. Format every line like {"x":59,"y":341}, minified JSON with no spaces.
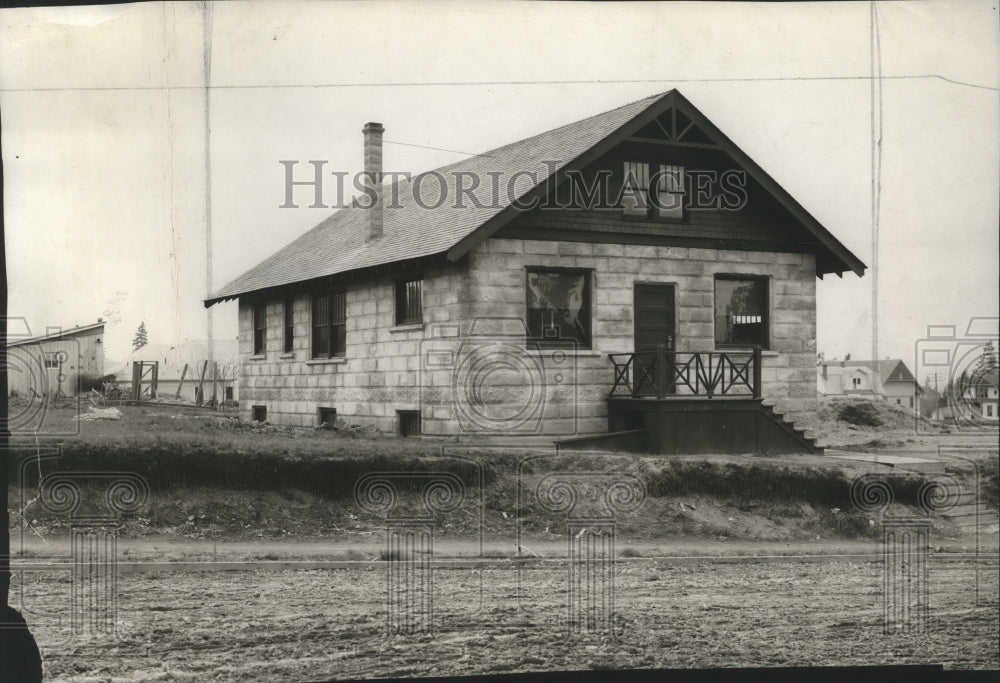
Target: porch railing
{"x":687,"y":373}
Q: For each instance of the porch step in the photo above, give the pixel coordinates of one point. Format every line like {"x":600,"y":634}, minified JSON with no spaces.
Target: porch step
{"x":808,"y":440}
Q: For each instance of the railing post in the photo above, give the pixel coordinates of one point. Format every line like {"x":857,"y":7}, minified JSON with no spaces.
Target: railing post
{"x":756,"y":372}
{"x":661,"y":370}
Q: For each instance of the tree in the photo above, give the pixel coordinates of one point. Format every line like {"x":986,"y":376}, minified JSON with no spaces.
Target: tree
{"x":987,"y":361}
{"x":140,"y":339}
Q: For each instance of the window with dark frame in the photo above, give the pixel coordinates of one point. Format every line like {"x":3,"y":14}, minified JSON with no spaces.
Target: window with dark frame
{"x":329,"y":324}
{"x":741,"y":311}
{"x":259,"y":328}
{"x":409,"y":301}
{"x":52,"y":360}
{"x":409,"y":422}
{"x":259,"y":413}
{"x":289,"y":324}
{"x":558,"y":306}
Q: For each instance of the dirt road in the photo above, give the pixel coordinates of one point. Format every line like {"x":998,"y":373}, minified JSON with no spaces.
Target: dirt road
{"x":310,"y":625}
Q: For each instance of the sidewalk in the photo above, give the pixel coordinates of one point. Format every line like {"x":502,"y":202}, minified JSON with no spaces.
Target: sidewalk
{"x":169,"y":554}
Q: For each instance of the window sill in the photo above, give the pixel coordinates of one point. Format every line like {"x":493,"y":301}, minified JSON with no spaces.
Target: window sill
{"x":287,"y":356}
{"x":580,"y":353}
{"x":746,"y":349}
{"x":258,"y":356}
{"x":408,"y":327}
{"x":326,"y":361}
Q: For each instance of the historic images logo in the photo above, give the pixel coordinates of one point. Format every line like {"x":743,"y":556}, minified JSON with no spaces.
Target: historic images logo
{"x":498,"y":379}
{"x":413,"y":505}
{"x":961,"y":369}
{"x":589,"y":504}
{"x":42,"y":373}
{"x":665,"y":190}
{"x":906,"y":538}
{"x":94,"y":503}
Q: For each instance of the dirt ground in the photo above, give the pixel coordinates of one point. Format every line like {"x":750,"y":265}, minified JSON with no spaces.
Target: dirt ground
{"x":315,"y":625}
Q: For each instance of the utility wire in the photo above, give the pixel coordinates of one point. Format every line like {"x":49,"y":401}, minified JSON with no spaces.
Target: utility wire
{"x":438,"y":84}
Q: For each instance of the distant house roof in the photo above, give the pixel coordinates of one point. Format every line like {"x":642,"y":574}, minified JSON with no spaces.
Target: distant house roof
{"x":991,"y":379}
{"x":61,"y":334}
{"x":832,"y":384}
{"x":341,"y":243}
{"x":889,"y":370}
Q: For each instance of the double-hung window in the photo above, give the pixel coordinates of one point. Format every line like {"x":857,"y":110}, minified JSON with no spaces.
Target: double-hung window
{"x":409,"y":304}
{"x":289,"y":324}
{"x":259,"y":328}
{"x":329,"y":324}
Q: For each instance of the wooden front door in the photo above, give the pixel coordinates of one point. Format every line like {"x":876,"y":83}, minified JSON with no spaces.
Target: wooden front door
{"x":654,"y":325}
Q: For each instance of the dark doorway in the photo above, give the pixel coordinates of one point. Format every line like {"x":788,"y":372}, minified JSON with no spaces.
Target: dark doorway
{"x":654,"y":325}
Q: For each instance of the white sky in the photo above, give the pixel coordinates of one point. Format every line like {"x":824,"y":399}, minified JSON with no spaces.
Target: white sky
{"x":103,"y":114}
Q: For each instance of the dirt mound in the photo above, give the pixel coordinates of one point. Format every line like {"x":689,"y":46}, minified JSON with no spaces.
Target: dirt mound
{"x":863,"y":414}
{"x":859,"y":421}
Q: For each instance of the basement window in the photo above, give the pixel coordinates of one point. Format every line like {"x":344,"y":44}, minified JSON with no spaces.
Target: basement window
{"x":259,"y":328}
{"x":329,"y":324}
{"x":741,"y":311}
{"x":409,"y":422}
{"x":259,"y":413}
{"x":409,"y":301}
{"x":328,"y":416}
{"x":558,"y":307}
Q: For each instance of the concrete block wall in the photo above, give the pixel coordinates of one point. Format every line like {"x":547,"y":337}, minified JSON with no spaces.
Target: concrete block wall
{"x":497,"y":268}
{"x":467,"y":370}
{"x":379,"y":371}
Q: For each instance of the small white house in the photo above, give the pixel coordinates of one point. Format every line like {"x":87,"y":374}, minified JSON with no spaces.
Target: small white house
{"x":982,"y":397}
{"x":883,"y":380}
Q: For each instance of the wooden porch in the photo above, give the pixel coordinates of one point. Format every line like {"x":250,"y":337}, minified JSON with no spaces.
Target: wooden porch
{"x":674,"y":402}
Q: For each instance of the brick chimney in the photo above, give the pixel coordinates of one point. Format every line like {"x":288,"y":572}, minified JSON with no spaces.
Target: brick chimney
{"x":373,"y":177}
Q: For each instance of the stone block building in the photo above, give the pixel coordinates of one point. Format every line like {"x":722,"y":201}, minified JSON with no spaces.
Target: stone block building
{"x":637,"y":253}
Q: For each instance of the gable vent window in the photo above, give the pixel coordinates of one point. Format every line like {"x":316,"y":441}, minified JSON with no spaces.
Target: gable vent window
{"x":259,"y":328}
{"x":635,"y":190}
{"x":329,"y":324}
{"x":409,"y":303}
{"x":670,"y":192}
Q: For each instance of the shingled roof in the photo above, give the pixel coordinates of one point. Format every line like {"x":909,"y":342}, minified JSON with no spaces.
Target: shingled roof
{"x":341,"y":243}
